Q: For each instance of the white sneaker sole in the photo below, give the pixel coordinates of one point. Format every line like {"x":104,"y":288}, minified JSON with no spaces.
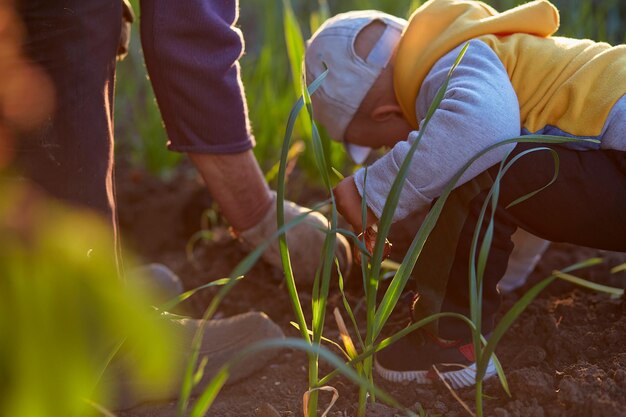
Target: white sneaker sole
{"x":461,"y":378}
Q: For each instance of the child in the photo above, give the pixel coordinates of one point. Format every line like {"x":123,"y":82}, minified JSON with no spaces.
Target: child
{"x":514,"y":79}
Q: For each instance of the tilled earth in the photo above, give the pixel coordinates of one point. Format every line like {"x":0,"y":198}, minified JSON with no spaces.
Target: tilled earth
{"x":565,"y":356}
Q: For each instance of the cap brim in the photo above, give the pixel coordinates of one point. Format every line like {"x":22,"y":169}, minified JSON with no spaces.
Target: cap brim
{"x":358,"y":153}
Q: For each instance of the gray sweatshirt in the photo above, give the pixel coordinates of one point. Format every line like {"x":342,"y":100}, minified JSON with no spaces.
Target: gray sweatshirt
{"x":480,"y":108}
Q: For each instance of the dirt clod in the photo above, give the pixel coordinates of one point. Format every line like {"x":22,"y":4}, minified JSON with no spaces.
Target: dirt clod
{"x":266,"y":410}
{"x":532,"y":382}
{"x":529,"y":356}
{"x":380,"y":410}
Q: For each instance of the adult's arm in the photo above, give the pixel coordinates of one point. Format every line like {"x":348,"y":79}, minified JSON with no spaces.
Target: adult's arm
{"x":191,"y":50}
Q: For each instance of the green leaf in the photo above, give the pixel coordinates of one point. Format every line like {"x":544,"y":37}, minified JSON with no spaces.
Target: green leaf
{"x":347,"y":307}
{"x":295,"y":43}
{"x":337,"y":173}
{"x":615,"y":292}
{"x":200,"y":372}
{"x":618,"y":268}
{"x":169,"y":305}
{"x":282,"y":241}
{"x":325,"y":339}
{"x":205,"y":400}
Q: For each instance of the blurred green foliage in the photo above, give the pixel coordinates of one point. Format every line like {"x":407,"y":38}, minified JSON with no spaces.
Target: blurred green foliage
{"x":268,"y":78}
{"x":63,"y":311}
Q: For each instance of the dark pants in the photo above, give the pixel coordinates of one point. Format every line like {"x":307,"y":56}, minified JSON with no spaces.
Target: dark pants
{"x":71,"y":156}
{"x":585,"y":206}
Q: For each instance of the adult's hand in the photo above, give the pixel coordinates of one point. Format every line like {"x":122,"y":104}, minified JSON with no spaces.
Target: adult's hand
{"x":305,"y":241}
{"x":236,"y":183}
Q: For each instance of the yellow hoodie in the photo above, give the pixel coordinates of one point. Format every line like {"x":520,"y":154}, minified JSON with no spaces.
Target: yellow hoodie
{"x":571,"y":84}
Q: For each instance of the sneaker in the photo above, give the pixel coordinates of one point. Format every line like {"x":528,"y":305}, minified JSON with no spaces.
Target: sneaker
{"x":413,"y":357}
{"x":160,"y":279}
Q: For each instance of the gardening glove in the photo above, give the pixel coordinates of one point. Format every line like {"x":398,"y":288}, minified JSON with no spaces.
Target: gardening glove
{"x":305,"y":241}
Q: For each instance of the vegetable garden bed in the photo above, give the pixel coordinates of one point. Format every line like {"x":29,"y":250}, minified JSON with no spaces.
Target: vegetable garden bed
{"x":564,"y":356}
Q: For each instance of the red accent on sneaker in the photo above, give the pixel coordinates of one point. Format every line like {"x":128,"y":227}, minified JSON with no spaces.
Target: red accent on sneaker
{"x":468,"y":351}
{"x":432,"y":375}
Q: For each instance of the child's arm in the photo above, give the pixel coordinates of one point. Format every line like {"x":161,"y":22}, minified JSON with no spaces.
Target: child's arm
{"x":479,"y":109}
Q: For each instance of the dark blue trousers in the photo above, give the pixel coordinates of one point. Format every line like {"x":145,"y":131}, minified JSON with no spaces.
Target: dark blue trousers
{"x":586,"y":206}
{"x":75,"y":42}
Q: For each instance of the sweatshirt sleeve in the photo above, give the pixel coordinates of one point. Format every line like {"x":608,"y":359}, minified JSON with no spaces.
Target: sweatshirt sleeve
{"x":480,"y":108}
{"x":191,"y":49}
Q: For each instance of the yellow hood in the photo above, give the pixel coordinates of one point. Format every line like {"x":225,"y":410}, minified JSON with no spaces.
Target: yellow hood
{"x":422,"y":43}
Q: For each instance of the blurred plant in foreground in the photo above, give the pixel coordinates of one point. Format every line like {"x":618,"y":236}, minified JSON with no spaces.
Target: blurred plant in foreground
{"x":26,"y":94}
{"x":64,"y":312}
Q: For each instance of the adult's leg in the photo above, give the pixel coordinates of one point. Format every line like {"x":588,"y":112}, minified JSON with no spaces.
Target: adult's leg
{"x":71,"y":157}
{"x":585,"y":206}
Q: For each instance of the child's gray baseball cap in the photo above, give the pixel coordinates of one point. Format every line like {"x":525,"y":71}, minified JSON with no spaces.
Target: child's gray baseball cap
{"x":349,"y":77}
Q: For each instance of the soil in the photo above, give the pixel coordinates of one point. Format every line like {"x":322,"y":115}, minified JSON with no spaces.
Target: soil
{"x":565,"y":356}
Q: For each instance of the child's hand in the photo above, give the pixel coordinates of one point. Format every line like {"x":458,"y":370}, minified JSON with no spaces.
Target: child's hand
{"x":348,"y":202}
